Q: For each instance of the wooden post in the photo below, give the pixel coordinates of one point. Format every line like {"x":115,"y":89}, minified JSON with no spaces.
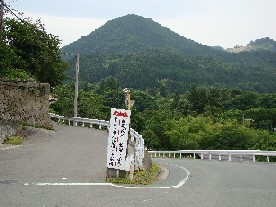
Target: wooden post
{"x":76,"y":88}
{"x":1,"y":19}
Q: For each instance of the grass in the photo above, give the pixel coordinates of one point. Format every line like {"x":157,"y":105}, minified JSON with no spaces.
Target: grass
{"x":143,"y":177}
{"x":14,"y":140}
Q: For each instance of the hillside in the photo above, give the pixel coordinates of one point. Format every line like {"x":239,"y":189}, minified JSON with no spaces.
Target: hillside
{"x":142,"y":54}
{"x":257,"y":45}
{"x":133,"y":33}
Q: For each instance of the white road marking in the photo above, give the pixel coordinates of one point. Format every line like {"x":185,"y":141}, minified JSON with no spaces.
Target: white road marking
{"x":140,"y":187}
{"x":10,"y":147}
{"x":181,"y":183}
{"x":75,"y":184}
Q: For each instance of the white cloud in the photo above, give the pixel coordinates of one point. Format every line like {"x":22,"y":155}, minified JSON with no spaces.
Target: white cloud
{"x":227,"y":23}
{"x":210,"y":22}
{"x":68,"y":29}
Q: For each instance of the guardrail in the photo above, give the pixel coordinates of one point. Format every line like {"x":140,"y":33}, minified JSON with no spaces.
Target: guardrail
{"x":78,"y":121}
{"x":240,"y":155}
{"x":136,"y":139}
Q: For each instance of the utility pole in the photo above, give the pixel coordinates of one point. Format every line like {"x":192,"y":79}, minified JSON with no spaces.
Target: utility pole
{"x":1,"y":18}
{"x":76,"y":87}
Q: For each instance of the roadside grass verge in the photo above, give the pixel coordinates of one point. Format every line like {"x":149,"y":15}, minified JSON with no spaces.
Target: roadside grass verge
{"x":13,"y":140}
{"x":16,"y":139}
{"x":143,"y":177}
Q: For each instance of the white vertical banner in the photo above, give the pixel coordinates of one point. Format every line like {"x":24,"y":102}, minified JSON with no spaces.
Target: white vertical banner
{"x":117,"y":139}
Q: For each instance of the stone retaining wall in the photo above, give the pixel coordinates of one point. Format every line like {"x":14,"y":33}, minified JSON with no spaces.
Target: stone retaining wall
{"x":25,"y":102}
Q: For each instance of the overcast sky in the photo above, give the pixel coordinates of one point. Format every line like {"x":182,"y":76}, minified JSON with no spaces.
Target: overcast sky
{"x":209,"y":22}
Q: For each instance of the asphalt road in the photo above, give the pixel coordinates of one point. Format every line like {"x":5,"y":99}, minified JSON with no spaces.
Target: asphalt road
{"x":67,"y":168}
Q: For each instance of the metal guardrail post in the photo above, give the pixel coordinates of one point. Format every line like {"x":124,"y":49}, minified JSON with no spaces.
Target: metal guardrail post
{"x":241,"y":154}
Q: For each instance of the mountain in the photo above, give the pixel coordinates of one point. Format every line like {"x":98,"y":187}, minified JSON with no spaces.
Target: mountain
{"x":133,"y":33}
{"x":142,"y":54}
{"x":257,"y":45}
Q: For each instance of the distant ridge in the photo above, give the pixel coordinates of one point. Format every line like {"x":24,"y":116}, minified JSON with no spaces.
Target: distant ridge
{"x":259,"y":44}
{"x":142,"y":54}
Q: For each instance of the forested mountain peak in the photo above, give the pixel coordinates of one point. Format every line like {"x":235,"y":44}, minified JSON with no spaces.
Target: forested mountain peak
{"x":142,"y":54}
{"x":133,"y":33}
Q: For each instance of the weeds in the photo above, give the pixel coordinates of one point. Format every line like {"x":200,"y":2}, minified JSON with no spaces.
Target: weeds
{"x":14,"y":140}
{"x":143,"y":177}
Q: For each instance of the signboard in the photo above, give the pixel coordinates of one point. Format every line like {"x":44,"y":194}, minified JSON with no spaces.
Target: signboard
{"x":117,"y":139}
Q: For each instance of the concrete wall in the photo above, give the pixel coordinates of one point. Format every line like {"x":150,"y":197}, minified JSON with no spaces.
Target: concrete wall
{"x":25,"y":102}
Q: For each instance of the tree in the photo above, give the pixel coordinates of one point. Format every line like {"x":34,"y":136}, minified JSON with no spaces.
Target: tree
{"x":246,"y":100}
{"x":261,"y":118}
{"x":198,"y":99}
{"x":89,"y":104}
{"x":142,"y":100}
{"x":29,"y":47}
{"x":110,"y":89}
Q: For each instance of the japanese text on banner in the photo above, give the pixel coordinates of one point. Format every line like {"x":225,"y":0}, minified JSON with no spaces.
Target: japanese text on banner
{"x":117,"y":139}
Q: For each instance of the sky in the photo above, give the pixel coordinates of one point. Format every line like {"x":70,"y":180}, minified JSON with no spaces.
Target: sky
{"x":223,"y":23}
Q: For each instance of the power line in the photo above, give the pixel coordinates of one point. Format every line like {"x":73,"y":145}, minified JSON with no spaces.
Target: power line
{"x":8,"y":9}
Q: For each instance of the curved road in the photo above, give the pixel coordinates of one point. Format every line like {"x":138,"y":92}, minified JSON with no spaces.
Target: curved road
{"x":67,"y":168}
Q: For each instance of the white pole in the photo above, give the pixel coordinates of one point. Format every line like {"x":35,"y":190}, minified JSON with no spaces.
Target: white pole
{"x":76,"y":87}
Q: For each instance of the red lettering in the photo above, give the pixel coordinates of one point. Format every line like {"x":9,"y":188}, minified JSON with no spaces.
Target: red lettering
{"x":116,"y":113}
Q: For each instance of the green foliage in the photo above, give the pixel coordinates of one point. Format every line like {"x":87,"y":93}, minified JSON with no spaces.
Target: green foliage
{"x":261,"y":118}
{"x":186,"y":133}
{"x":231,"y":137}
{"x":263,"y":44}
{"x":141,"y":54}
{"x":143,"y":177}
{"x":29,"y":47}
{"x":89,"y":104}
{"x":202,"y":118}
{"x":14,"y":74}
{"x":13,"y":140}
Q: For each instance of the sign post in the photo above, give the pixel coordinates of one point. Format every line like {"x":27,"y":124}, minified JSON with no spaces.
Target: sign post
{"x":117,"y":139}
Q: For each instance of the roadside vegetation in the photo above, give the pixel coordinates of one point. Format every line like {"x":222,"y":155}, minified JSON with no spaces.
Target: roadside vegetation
{"x":202,"y":118}
{"x":143,"y":177}
{"x":17,"y":138}
{"x":170,"y":116}
{"x":13,"y":140}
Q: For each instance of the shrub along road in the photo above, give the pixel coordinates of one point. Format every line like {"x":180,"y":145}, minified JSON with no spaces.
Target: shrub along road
{"x":67,"y":168}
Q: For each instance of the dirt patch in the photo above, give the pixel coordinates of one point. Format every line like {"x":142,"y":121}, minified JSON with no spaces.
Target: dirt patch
{"x":164,"y":173}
